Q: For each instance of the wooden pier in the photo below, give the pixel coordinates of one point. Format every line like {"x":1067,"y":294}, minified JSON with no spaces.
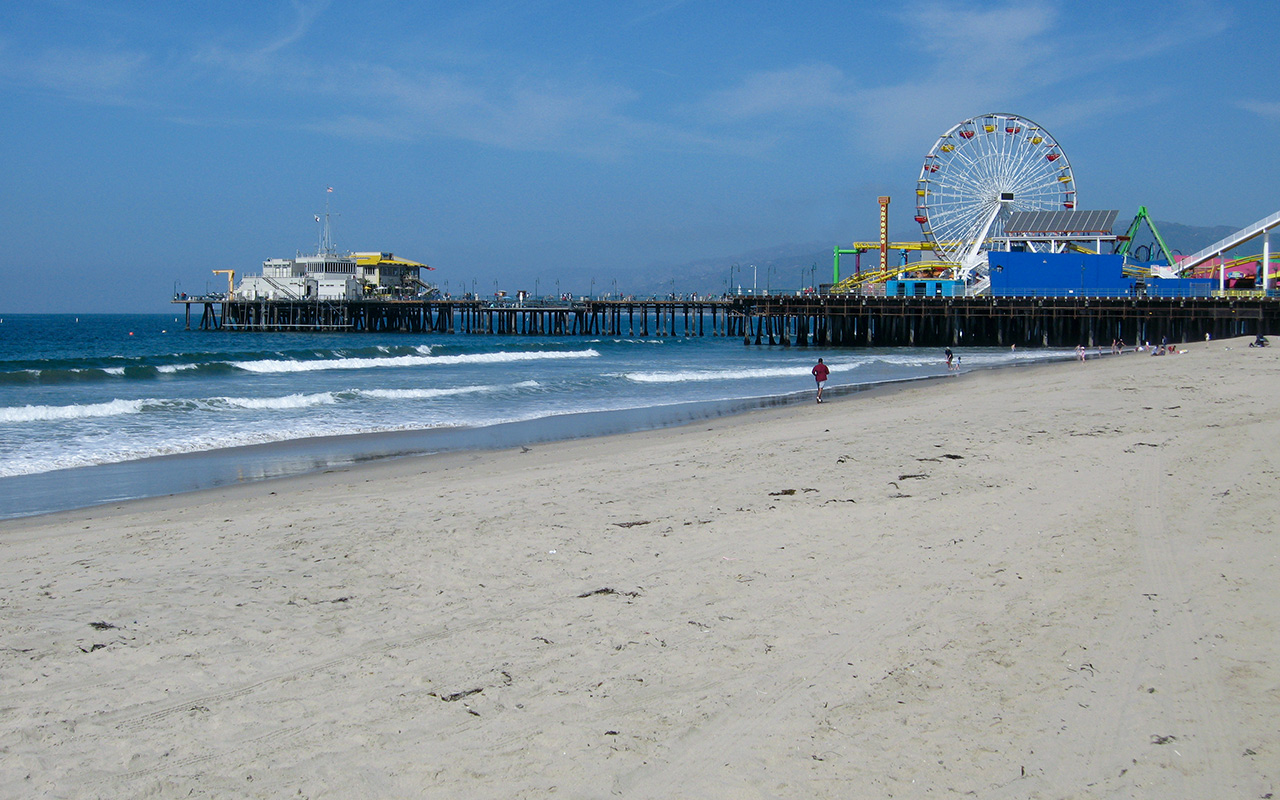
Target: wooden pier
{"x":823,"y":320}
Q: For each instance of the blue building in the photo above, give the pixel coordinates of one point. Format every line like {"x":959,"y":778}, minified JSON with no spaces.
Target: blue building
{"x":923,"y":287}
{"x":1023,"y":274}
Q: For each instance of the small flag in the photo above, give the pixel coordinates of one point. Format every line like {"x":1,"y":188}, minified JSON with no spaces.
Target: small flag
{"x":330,"y":189}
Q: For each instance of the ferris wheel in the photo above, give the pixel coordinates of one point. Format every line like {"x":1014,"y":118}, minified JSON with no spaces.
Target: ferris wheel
{"x":980,"y":171}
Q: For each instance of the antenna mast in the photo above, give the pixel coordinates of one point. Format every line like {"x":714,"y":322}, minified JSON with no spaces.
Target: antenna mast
{"x":325,"y":247}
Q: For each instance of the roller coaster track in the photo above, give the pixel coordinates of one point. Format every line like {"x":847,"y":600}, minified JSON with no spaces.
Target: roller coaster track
{"x":1216,"y":249}
{"x":861,"y":279}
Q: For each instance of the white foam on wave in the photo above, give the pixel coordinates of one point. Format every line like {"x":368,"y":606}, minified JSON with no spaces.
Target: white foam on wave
{"x":210,"y":440}
{"x":687,"y":376}
{"x":428,"y":394}
{"x":110,"y":408}
{"x":500,"y":357}
{"x":283,"y":402}
{"x":110,"y":370}
{"x":420,"y":394}
{"x":171,"y":368}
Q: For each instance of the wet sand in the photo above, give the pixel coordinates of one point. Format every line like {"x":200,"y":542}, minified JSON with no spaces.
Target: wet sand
{"x":1056,"y":581}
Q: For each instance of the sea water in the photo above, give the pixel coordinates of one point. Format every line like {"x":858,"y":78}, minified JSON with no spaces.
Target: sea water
{"x":88,"y":403}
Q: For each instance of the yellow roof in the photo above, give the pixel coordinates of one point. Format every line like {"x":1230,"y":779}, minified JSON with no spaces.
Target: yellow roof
{"x":376,"y":259}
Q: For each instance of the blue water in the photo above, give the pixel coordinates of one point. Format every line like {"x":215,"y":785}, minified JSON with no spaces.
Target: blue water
{"x":85,"y":399}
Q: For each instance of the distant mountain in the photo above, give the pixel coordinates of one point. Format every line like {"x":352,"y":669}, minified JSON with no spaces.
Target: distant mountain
{"x":794,"y":266}
{"x":1188,"y":239}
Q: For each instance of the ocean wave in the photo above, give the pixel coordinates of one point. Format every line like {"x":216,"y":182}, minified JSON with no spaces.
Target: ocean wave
{"x":53,"y":376}
{"x":151,"y":366}
{"x":288,"y":401}
{"x":20,"y":377}
{"x":110,"y":408}
{"x":500,"y":357}
{"x":61,"y":375}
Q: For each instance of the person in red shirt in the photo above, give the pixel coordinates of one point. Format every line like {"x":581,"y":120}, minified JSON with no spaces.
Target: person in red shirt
{"x":820,"y":373}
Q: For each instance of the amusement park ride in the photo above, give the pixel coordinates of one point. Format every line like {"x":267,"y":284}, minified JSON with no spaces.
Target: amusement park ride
{"x":975,"y":181}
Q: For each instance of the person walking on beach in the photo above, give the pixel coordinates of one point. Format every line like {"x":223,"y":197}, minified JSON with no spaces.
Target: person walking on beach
{"x":947,"y":353}
{"x":820,"y":373}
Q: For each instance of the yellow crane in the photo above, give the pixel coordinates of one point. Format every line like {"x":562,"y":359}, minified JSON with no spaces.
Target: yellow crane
{"x":231,"y":279}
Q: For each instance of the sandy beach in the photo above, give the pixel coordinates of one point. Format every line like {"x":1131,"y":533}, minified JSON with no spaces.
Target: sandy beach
{"x":1042,"y":582}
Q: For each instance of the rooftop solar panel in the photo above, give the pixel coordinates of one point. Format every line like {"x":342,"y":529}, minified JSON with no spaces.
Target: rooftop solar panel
{"x":1067,"y":221}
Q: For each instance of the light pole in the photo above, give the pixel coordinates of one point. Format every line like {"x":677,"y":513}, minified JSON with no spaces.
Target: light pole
{"x":615,"y":288}
{"x":754,"y":282}
{"x":593,"y":289}
{"x":535,"y":288}
{"x":558,"y":295}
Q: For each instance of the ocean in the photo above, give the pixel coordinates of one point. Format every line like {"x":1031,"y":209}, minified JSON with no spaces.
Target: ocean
{"x":102,"y":408}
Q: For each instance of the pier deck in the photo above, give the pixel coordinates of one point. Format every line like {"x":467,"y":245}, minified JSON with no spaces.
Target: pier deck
{"x":823,"y":320}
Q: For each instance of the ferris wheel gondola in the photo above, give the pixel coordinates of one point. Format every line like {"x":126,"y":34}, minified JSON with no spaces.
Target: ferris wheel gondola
{"x":980,"y":171}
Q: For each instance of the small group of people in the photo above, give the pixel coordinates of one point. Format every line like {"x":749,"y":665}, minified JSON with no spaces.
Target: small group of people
{"x":953,"y":361}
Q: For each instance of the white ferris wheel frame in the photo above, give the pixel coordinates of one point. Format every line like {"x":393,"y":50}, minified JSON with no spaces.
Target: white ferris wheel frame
{"x":977,"y":173}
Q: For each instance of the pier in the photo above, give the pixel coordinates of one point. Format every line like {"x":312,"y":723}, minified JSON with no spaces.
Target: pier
{"x":780,"y":320}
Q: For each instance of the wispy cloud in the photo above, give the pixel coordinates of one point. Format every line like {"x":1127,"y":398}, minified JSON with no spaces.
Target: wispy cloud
{"x":85,"y":74}
{"x":984,"y":39}
{"x":967,"y":58}
{"x":584,"y":118}
{"x":972,"y":58}
{"x":1263,"y":108}
{"x":266,"y":58}
{"x":535,"y":115}
{"x":790,"y":91}
{"x":305,"y":15}
{"x":660,"y":8}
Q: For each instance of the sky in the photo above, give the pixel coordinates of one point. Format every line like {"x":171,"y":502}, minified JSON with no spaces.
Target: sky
{"x":146,"y":144}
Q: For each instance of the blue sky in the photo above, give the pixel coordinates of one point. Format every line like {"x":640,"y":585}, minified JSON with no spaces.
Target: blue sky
{"x":150,"y":142}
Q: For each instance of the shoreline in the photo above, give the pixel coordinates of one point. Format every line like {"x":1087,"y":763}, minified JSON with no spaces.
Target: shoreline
{"x":55,"y":491}
{"x":1020,"y":583}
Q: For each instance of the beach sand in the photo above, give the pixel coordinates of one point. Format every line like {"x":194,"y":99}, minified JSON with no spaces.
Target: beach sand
{"x":1041,"y":582}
